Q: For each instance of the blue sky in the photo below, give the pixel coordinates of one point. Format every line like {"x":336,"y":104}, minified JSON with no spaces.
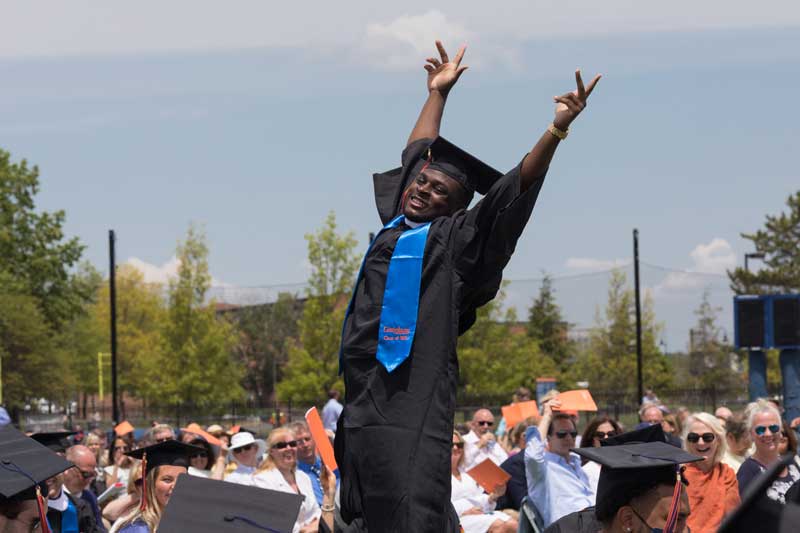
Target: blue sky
{"x":256,"y":119}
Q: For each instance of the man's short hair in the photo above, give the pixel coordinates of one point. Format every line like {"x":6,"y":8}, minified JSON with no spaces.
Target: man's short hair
{"x":560,"y":416}
{"x":298,"y":426}
{"x":646,"y":407}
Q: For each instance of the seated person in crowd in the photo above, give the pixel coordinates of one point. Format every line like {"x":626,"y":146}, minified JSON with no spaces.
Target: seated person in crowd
{"x":245,"y":450}
{"x":764,"y":425}
{"x":713,"y":490}
{"x":279,"y":472}
{"x":651,"y":414}
{"x":307,"y":458}
{"x":475,"y":508}
{"x":480,"y":441}
{"x":637,"y":490}
{"x":557,"y":485}
{"x":737,"y":442}
{"x":517,"y":486}
{"x":598,"y":430}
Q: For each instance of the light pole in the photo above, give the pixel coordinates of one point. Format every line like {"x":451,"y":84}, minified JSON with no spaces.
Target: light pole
{"x":754,"y":255}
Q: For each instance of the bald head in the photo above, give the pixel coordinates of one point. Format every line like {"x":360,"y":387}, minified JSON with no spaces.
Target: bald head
{"x":79,"y":477}
{"x":482,"y":421}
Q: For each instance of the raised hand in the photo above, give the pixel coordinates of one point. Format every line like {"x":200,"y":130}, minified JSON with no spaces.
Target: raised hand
{"x":570,"y":105}
{"x":443,"y":73}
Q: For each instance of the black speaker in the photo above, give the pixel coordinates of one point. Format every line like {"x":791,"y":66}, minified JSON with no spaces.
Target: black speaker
{"x":786,"y":322}
{"x":749,"y":325}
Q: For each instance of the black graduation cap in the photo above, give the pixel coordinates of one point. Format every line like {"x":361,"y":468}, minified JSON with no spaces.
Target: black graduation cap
{"x":757,"y":512}
{"x":58,"y":441}
{"x":632,"y":469}
{"x":438,"y":154}
{"x":203,"y":505}
{"x":472,"y":173}
{"x":170,"y":452}
{"x":24,"y":463}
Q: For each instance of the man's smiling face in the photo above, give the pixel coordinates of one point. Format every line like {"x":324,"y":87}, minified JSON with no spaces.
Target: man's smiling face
{"x":433,"y":194}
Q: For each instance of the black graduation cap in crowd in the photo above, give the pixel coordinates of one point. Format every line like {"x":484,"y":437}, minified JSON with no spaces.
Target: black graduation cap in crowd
{"x":58,"y":441}
{"x":170,"y":452}
{"x":757,"y":512}
{"x":442,"y":155}
{"x":204,"y":505}
{"x":24,"y":463}
{"x":633,"y":463}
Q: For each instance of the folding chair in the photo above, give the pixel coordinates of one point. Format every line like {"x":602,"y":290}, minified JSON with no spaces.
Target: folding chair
{"x":530,"y":519}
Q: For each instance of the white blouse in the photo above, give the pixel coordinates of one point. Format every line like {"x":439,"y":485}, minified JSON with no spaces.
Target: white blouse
{"x":466,"y":494}
{"x":243,"y":475}
{"x":274,"y":480}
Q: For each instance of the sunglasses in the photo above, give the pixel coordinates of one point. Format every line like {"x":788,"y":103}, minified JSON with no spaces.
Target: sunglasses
{"x":244,"y":448}
{"x":138,"y":482}
{"x":562,"y":434}
{"x":773,"y":428}
{"x":605,"y":434}
{"x":204,"y":455}
{"x":85,"y":474}
{"x":163,"y":439}
{"x":694,"y":437}
{"x":284,"y":445}
{"x":122,"y":448}
{"x":459,"y":445}
{"x":485,"y":423}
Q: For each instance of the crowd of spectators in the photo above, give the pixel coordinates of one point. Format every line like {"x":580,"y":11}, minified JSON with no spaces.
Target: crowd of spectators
{"x":104,"y":489}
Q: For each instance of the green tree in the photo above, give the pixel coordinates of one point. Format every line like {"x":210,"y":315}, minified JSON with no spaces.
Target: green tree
{"x":547,"y":326}
{"x":710,"y":358}
{"x":609,"y":363}
{"x":779,"y":241}
{"x":313,"y":358}
{"x":196,"y":363}
{"x":262,"y":347}
{"x":496,"y":356}
{"x":33,"y":249}
{"x":30,"y":370}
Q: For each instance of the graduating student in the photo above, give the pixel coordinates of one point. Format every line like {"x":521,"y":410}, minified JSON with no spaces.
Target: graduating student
{"x":423,"y":278}
{"x":162,"y":464}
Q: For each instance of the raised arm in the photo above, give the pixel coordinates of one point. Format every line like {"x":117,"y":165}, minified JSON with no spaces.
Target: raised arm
{"x":442,"y":75}
{"x":568,"y":107}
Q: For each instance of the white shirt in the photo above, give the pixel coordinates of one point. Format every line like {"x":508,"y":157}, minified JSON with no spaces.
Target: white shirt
{"x":466,"y":494}
{"x":243,"y":475}
{"x":274,"y":480}
{"x":474,"y":455}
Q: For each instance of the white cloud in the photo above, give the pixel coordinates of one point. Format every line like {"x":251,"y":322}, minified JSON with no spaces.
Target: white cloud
{"x":83,"y":27}
{"x":713,"y":258}
{"x":162,"y":274}
{"x":405,"y":40}
{"x":592,"y":264}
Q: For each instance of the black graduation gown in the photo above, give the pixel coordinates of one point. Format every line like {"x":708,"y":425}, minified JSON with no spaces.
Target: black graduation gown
{"x":394,"y":436}
{"x":87,"y":522}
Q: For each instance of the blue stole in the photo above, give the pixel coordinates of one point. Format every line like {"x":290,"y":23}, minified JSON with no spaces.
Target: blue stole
{"x":400,"y":296}
{"x":69,"y":519}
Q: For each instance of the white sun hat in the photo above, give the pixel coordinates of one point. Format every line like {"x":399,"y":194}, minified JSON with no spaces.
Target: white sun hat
{"x":242,"y":439}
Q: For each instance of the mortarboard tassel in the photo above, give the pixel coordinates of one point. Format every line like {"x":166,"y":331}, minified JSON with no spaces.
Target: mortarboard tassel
{"x":42,"y":511}
{"x":672,"y":517}
{"x":143,"y":504}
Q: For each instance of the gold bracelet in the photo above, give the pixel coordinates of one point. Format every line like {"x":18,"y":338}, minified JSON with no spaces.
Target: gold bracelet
{"x":557,"y":133}
{"x":328,"y":508}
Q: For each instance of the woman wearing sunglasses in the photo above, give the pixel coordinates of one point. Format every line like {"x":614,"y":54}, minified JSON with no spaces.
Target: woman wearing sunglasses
{"x":245,"y":451}
{"x":764,"y":423}
{"x":279,"y":472}
{"x":598,"y":430}
{"x":713,"y":490}
{"x":475,"y":508}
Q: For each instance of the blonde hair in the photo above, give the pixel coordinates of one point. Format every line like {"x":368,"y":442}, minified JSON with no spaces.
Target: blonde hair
{"x":758,"y":407}
{"x":278,"y":433}
{"x":712,"y":422}
{"x":135,"y":475}
{"x":151,"y":516}
{"x":458,"y":436}
{"x":100,"y":454}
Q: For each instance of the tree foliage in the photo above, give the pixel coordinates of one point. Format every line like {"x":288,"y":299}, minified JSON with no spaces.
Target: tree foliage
{"x":609,"y":361}
{"x":313,"y":357}
{"x":710,"y":357}
{"x":779,"y":241}
{"x":547,"y":326}
{"x":196,"y":364}
{"x":496,"y":356}
{"x":262,"y":345}
{"x":33,"y":249}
